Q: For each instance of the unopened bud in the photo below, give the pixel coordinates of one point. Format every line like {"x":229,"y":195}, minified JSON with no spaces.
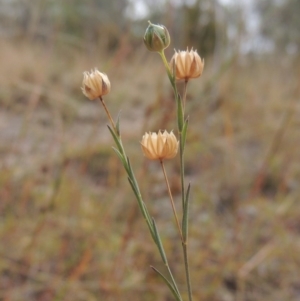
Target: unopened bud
{"x":156,"y":37}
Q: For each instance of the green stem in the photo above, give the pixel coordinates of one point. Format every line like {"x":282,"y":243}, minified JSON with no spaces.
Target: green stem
{"x":115,"y":133}
{"x":182,"y":175}
{"x":187,"y":270}
{"x":180,"y":118}
{"x":184,"y":244}
{"x":182,"y":146}
{"x":169,"y":72}
{"x":173,"y":280}
{"x":181,"y":150}
{"x":136,"y":189}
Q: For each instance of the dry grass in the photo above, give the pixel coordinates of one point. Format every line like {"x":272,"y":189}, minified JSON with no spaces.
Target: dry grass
{"x":70,"y":228}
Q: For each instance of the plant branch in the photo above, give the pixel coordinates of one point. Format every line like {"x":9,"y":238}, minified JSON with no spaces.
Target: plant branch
{"x":108,"y":115}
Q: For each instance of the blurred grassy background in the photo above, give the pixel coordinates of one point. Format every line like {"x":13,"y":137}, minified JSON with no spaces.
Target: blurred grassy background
{"x":69,"y":225}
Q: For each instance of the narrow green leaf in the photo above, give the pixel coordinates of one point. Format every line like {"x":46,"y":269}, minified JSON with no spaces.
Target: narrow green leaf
{"x":185,"y":218}
{"x":174,"y":71}
{"x":180,"y":117}
{"x":118,"y":124}
{"x":131,"y":175}
{"x":147,"y":215}
{"x":168,"y":283}
{"x":130,"y":168}
{"x":184,"y":131}
{"x":123,"y":160}
{"x":159,"y":243}
{"x":116,"y":138}
{"x":135,"y":190}
{"x":188,"y":192}
{"x":143,"y":209}
{"x":173,"y":77}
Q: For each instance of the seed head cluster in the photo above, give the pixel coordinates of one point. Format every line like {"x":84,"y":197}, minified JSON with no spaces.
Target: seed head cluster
{"x":187,"y":64}
{"x":159,"y":146}
{"x":95,"y":84}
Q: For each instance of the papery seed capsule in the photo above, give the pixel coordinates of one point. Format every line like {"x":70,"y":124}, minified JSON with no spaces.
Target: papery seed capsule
{"x":187,"y":64}
{"x":95,"y":84}
{"x":159,"y":146}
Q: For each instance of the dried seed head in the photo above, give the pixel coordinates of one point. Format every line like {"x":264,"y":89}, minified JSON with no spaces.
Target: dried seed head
{"x":187,"y":64}
{"x":159,"y":146}
{"x":95,"y":84}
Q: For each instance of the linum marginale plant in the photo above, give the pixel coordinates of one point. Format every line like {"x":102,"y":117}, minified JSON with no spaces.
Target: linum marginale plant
{"x":183,"y":66}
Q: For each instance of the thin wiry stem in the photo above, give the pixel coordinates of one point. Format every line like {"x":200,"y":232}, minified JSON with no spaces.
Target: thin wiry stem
{"x":171,"y":199}
{"x":184,"y":93}
{"x":108,"y":115}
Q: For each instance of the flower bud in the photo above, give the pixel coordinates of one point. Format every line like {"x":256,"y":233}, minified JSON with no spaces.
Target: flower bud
{"x":159,"y":146}
{"x":187,"y":64}
{"x":95,"y":84}
{"x":156,"y":37}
